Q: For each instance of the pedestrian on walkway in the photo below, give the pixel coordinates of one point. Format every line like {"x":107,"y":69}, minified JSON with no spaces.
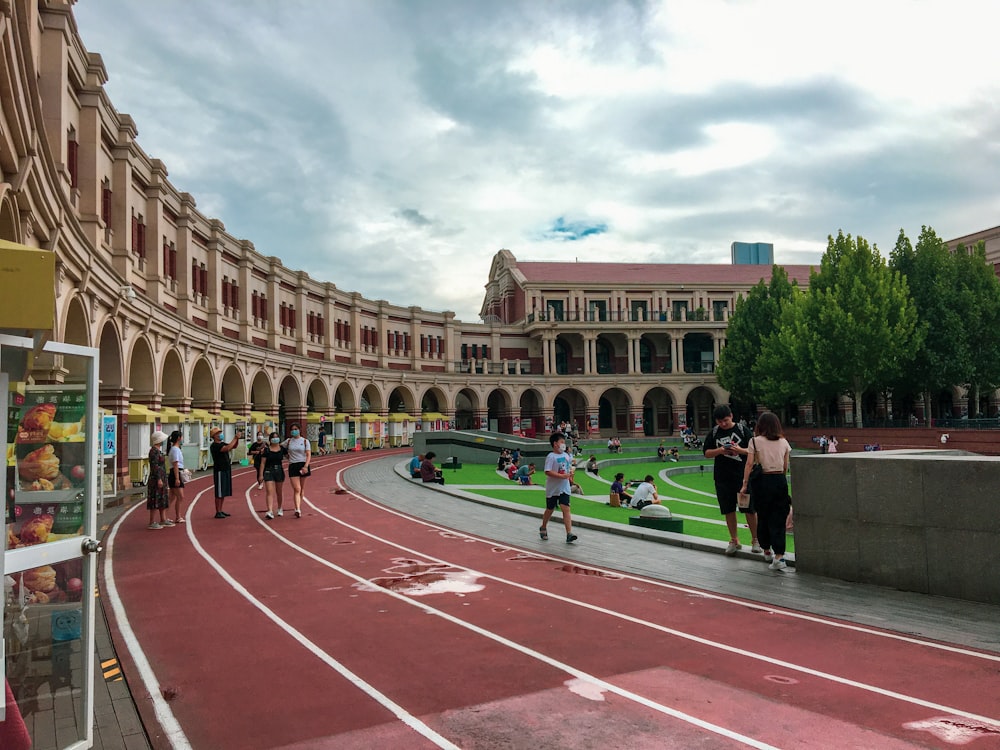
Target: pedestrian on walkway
{"x":272,"y":474}
{"x":222,"y":467}
{"x":770,"y":490}
{"x":157,"y":493}
{"x":175,"y":476}
{"x":299,"y":456}
{"x":726,"y":443}
{"x":256,"y":452}
{"x":558,"y":476}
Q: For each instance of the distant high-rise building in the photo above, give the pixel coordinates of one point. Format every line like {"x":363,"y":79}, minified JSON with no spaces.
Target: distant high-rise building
{"x":753,"y":253}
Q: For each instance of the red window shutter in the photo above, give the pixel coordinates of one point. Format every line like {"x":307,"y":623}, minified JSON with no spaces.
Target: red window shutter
{"x":204,"y":279}
{"x":135,"y":235}
{"x":234,"y":296}
{"x":166,"y":261}
{"x":319,"y":326}
{"x":253,"y":305}
{"x":142,"y":240}
{"x":194,"y":277}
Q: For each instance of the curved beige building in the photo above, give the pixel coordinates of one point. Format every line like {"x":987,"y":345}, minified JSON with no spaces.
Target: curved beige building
{"x":188,"y":316}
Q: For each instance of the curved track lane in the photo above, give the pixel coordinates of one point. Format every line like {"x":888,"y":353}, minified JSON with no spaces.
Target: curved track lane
{"x":359,"y":626}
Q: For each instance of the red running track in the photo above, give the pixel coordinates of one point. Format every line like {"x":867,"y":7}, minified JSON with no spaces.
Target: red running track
{"x":357,"y":626}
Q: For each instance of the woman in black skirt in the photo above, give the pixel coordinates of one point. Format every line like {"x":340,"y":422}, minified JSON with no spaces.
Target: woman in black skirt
{"x":272,"y":473}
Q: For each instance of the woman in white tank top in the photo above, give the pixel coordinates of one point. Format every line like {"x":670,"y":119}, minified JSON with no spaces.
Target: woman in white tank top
{"x":770,"y":490}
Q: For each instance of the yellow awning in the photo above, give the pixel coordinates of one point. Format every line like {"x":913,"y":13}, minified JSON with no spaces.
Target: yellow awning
{"x":369,"y":417}
{"x":401,"y":416}
{"x":430,"y":415}
{"x":202,"y":415}
{"x":230,"y":417}
{"x":142,"y":414}
{"x":260,"y":417}
{"x":314,"y":417}
{"x":170,"y":415}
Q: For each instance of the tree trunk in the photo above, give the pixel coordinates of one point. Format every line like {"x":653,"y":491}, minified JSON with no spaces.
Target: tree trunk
{"x":858,"y":393}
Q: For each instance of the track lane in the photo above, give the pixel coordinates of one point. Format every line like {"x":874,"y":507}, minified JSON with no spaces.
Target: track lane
{"x":314,"y":532}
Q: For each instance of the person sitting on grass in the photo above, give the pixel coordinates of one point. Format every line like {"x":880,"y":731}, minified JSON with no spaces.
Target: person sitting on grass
{"x":592,"y":466}
{"x":619,"y":498}
{"x":661,"y":452}
{"x":511,"y":471}
{"x":524,"y":474}
{"x":673,"y":454}
{"x":645,"y":494}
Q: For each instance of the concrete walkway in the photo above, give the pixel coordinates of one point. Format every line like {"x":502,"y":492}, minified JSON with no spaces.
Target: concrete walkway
{"x":684,"y":560}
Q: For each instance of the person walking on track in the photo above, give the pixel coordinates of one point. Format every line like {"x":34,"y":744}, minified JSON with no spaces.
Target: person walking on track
{"x":558,"y":473}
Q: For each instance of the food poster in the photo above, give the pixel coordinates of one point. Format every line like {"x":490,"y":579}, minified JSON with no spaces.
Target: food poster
{"x":49,"y":465}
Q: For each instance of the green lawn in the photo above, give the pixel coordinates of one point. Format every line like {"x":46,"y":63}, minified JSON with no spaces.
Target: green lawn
{"x":699,"y":510}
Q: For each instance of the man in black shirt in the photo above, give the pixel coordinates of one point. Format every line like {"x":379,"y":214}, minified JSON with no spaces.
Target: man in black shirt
{"x":222,"y":468}
{"x":727,"y":444}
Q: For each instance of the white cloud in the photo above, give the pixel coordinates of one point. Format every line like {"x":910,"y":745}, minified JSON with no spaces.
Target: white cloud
{"x":393,"y":148}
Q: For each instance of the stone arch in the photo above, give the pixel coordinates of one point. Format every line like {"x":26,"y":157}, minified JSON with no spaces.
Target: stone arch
{"x":614,"y":410}
{"x":142,"y":373}
{"x":401,"y":400}
{"x":10,"y":227}
{"x":76,"y":328}
{"x":233,"y":389}
{"x":658,"y":411}
{"x":571,"y":405}
{"x":318,"y":397}
{"x":466,"y":409}
{"x":290,"y":393}
{"x":203,"y":388}
{"x":433,"y":400}
{"x":371,"y":399}
{"x":174,"y":386}
{"x":655,"y":353}
{"x":262,"y":393}
{"x":533,"y":413}
{"x":611,"y":353}
{"x":112,"y":366}
{"x":344,"y":399}
{"x":701,"y":400}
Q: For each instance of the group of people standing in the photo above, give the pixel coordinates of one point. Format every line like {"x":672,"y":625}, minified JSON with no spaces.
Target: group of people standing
{"x":167,"y":475}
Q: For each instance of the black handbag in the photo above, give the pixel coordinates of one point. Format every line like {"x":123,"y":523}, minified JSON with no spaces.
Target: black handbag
{"x":757,"y":469}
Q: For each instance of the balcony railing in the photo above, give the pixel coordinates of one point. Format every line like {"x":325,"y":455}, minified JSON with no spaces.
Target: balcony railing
{"x":630,"y":316}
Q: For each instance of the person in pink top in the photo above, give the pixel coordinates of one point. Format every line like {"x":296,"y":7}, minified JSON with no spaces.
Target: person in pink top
{"x":770,"y":490}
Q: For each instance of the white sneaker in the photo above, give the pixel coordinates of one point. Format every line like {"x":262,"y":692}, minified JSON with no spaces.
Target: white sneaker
{"x":768,"y":556}
{"x":756,"y":548}
{"x":777,"y":564}
{"x":269,"y":516}
{"x":281,"y":512}
{"x":733,"y":548}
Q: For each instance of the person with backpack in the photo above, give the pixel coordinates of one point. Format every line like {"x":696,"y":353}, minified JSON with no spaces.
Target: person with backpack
{"x":727,"y":444}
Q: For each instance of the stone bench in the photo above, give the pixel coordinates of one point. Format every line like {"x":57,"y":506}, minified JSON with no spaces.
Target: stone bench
{"x":657,"y":517}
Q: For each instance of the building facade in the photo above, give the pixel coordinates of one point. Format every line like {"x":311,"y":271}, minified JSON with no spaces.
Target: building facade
{"x":189,"y":316}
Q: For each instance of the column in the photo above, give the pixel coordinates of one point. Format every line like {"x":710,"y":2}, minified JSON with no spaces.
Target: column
{"x":545,"y":356}
{"x":295,"y":414}
{"x":115,"y":400}
{"x":589,"y":345}
{"x":678,"y":361}
{"x":631,"y":355}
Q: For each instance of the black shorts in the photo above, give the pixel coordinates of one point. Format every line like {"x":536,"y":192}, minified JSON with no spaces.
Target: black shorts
{"x":274,"y":474}
{"x":295,"y":470}
{"x":174,"y":482}
{"x":552,"y":502}
{"x":223,"y":483}
{"x":725,"y":493}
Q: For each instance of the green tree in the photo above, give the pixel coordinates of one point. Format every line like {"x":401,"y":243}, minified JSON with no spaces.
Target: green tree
{"x":978,"y":300}
{"x":855,"y":328}
{"x":754,"y":319}
{"x":943,"y":357}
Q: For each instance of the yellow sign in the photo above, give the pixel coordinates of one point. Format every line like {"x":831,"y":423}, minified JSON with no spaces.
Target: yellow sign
{"x":27,"y":287}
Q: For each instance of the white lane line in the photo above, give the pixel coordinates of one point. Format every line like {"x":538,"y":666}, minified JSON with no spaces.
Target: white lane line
{"x":770,"y":609}
{"x":527,"y":651}
{"x":398,"y":711}
{"x":656,"y":626}
{"x":164,"y":715}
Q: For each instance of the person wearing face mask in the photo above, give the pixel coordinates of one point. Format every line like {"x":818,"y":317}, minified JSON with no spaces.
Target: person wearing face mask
{"x":256,"y":452}
{"x":175,"y":480}
{"x":271,"y":473}
{"x":299,"y":455}
{"x":558,"y":475}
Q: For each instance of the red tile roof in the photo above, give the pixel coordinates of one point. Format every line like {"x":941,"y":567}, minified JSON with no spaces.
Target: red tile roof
{"x":654,"y":273}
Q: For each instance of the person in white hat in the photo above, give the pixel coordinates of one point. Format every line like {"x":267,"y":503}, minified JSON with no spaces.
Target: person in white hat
{"x":157,"y":496}
{"x":222,"y":468}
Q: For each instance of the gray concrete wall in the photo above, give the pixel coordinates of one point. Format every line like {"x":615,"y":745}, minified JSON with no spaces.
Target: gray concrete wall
{"x":918,"y":520}
{"x":477,"y":446}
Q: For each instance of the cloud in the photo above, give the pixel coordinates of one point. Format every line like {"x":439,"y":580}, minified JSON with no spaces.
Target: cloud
{"x":360,"y":141}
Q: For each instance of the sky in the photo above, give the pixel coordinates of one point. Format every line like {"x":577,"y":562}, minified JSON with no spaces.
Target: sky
{"x":392,"y":148}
